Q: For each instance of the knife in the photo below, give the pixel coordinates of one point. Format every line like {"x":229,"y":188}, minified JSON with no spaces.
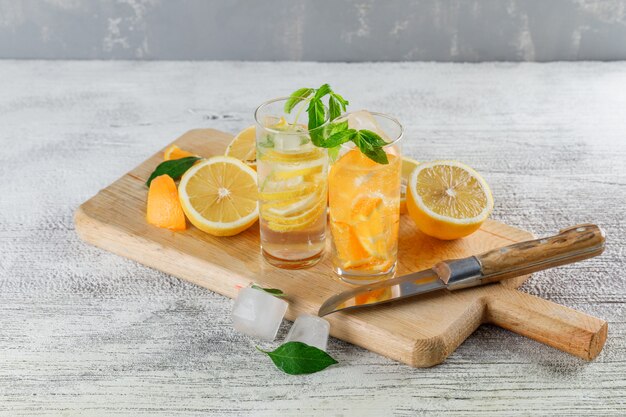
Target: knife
{"x":570,"y":245}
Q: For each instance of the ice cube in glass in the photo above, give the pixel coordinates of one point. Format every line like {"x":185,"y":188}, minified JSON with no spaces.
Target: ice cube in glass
{"x":258,"y":313}
{"x":311,"y":330}
{"x":363,"y":119}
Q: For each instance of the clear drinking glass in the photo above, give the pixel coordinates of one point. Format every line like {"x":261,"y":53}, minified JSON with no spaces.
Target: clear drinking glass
{"x":292,"y":177}
{"x":364,"y":203}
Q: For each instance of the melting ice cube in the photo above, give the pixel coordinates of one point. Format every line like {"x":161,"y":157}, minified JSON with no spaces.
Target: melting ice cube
{"x":362,"y":119}
{"x":311,"y":330}
{"x":288,"y":142}
{"x":258,"y":314}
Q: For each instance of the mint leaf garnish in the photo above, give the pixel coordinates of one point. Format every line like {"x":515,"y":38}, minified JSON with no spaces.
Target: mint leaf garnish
{"x":370,"y":143}
{"x":322,"y":91}
{"x":339,"y":138}
{"x":296,"y":97}
{"x":316,"y":114}
{"x":333,"y":153}
{"x":334,"y":107}
{"x":297,"y":358}
{"x":372,"y":138}
{"x":343,"y":102}
{"x":175,"y":168}
{"x":274,"y":291}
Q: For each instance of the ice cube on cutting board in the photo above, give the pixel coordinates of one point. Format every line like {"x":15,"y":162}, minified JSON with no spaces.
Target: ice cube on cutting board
{"x":258,"y":313}
{"x":309,"y":329}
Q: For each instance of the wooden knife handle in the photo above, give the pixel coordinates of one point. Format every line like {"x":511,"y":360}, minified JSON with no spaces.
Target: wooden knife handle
{"x":561,"y":327}
{"x":570,"y":245}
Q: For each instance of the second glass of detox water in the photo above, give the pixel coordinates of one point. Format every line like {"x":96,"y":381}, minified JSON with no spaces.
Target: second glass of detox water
{"x":365,"y":203}
{"x":292,"y":179}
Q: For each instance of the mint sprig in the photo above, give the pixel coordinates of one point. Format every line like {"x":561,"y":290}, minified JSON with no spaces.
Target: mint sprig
{"x":336,"y":134}
{"x":296,"y":97}
{"x":175,"y":168}
{"x":297,"y":358}
{"x":274,"y":291}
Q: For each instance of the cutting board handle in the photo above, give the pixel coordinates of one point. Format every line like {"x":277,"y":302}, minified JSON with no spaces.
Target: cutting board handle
{"x":544,"y":321}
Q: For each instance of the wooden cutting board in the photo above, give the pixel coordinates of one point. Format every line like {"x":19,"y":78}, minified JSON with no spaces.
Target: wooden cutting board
{"x":420,"y":332}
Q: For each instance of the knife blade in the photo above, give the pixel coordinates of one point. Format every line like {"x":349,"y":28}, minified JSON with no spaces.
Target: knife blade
{"x":384,"y":291}
{"x":570,"y":245}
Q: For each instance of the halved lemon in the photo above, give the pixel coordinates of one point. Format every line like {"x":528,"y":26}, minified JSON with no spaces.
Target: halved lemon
{"x":219,"y":196}
{"x":447,"y":199}
{"x":243,"y":146}
{"x":408,"y":165}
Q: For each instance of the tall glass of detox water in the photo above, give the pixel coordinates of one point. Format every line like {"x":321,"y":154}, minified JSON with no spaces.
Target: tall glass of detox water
{"x":292,"y":179}
{"x":364,"y":203}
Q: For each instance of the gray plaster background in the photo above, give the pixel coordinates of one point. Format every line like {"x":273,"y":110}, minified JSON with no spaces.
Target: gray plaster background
{"x":316,"y":30}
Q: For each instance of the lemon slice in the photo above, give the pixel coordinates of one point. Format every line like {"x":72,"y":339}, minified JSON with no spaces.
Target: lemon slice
{"x":285,"y":173}
{"x":408,"y":165}
{"x":298,"y":222}
{"x":292,"y":206}
{"x":447,"y":199}
{"x":243,"y":146}
{"x":298,"y":191}
{"x":219,"y":196}
{"x":272,"y":155}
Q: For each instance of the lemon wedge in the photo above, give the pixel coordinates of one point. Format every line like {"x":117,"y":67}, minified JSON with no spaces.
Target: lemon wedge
{"x":243,"y":146}
{"x":408,"y":165}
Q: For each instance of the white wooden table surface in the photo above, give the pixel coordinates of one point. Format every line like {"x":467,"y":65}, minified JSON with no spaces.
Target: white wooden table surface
{"x":84,"y":332}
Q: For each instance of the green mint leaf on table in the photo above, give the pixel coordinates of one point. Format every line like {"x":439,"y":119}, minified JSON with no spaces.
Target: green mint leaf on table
{"x":297,"y":358}
{"x":175,"y":168}
{"x":296,"y":97}
{"x":274,"y":291}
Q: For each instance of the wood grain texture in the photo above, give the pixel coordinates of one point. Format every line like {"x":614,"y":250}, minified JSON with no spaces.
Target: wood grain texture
{"x":574,"y":244}
{"x":114,"y":220}
{"x":85,"y":332}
